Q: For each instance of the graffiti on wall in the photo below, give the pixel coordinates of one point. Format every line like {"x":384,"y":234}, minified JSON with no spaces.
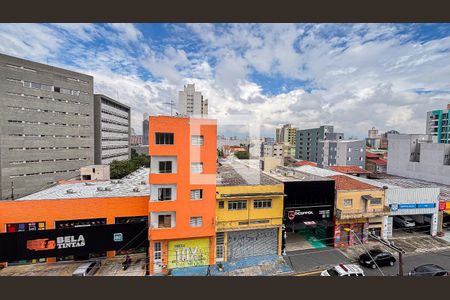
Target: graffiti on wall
{"x":188,"y":253}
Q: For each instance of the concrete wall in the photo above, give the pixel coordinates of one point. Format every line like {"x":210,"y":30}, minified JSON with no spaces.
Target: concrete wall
{"x":51,"y":117}
{"x":109,"y":116}
{"x":428,"y":166}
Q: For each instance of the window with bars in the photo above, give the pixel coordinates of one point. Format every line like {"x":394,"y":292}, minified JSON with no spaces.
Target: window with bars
{"x":196,"y":221}
{"x":164,"y":194}
{"x":237,"y":205}
{"x":196,"y":168}
{"x":163,"y":138}
{"x":197,"y":140}
{"x":348,"y":202}
{"x":196,"y":194}
{"x":165,"y":167}
{"x":262,"y":203}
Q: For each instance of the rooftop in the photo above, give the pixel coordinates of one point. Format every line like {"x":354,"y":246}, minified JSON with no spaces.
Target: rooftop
{"x":345,"y":183}
{"x":305,"y":163}
{"x":414,"y":183}
{"x":231,"y":174}
{"x":380,"y":161}
{"x":349,"y":169}
{"x":286,"y":174}
{"x":134,"y":184}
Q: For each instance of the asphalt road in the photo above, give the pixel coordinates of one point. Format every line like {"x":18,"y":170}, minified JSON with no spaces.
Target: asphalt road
{"x":441,"y":258}
{"x":320,"y":259}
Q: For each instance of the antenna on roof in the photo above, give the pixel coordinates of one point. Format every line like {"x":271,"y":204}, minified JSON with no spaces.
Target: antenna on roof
{"x":172,"y":104}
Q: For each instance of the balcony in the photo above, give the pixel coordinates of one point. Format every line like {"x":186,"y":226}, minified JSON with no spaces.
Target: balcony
{"x":362,"y":213}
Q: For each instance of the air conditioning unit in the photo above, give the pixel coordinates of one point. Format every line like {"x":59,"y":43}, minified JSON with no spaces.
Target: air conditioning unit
{"x":100,"y":189}
{"x":88,"y":183}
{"x":70,"y":191}
{"x":136,"y":190}
{"x":108,"y":188}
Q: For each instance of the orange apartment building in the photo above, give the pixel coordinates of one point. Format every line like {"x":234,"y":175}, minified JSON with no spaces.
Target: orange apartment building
{"x":182,"y":205}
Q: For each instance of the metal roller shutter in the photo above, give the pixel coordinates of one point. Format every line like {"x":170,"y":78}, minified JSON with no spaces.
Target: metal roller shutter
{"x":252,"y":243}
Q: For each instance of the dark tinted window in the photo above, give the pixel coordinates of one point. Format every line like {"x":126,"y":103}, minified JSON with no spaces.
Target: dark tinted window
{"x":164,"y":138}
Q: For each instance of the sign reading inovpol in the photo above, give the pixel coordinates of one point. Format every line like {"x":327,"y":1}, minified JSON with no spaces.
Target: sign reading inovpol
{"x":28,"y":245}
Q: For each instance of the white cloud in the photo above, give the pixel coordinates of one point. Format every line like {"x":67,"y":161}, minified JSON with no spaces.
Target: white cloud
{"x":361,"y":75}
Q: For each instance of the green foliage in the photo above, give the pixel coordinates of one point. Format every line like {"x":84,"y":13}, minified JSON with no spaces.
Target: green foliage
{"x":242,"y":154}
{"x":120,"y":169}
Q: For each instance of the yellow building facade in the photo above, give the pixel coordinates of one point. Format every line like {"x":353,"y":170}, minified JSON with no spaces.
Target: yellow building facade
{"x":360,"y":207}
{"x":249,"y":215}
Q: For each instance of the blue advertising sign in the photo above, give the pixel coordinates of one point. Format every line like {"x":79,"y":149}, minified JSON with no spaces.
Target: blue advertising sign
{"x":413,"y":205}
{"x":406,"y":206}
{"x":426,"y":205}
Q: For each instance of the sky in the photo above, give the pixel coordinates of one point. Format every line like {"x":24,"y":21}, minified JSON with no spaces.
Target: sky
{"x":352,"y":76}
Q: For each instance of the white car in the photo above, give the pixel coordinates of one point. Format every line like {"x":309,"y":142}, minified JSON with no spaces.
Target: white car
{"x":343,"y":270}
{"x":404,"y":221}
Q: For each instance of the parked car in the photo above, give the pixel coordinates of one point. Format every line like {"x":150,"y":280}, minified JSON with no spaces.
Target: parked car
{"x":404,"y":221}
{"x":429,"y":270}
{"x":343,"y":270}
{"x":381,"y":259}
{"x":87,"y":269}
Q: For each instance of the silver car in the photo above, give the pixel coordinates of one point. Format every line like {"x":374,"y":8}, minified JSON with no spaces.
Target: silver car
{"x":87,"y":269}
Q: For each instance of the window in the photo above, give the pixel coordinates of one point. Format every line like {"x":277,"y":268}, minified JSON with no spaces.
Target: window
{"x":221,"y":204}
{"x":196,"y":194}
{"x":165,"y":167}
{"x":348,"y":202}
{"x":163,"y":138}
{"x":164,"y":194}
{"x":164,"y":221}
{"x":196,"y":168}
{"x":196,"y":221}
{"x":349,"y":149}
{"x":237,"y":205}
{"x":262,"y":203}
{"x":197,"y":140}
{"x":375,"y":201}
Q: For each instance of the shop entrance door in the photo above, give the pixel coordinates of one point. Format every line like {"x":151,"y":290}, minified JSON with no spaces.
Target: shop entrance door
{"x":157,"y":257}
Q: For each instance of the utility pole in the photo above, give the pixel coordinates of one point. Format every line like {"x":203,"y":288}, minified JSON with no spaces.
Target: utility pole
{"x":359,"y":240}
{"x":392,"y":246}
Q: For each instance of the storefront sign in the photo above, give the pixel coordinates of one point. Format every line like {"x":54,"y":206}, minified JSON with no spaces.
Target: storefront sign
{"x":315,"y":213}
{"x":395,"y":207}
{"x":27,"y":245}
{"x":444,"y":205}
{"x":291,"y":215}
{"x":118,"y":237}
{"x":188,"y":253}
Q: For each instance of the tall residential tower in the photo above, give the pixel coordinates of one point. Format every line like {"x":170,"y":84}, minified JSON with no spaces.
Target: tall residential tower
{"x":191,"y":102}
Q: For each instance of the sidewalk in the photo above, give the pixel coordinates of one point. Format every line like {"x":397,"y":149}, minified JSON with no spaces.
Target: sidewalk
{"x":267,"y":265}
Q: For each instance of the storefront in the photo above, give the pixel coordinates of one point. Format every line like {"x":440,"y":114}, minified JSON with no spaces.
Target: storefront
{"x":308,"y":212}
{"x":20,"y":227}
{"x":74,"y":242}
{"x":245,"y":243}
{"x":419,"y":204}
{"x":80,"y":223}
{"x":349,"y":234}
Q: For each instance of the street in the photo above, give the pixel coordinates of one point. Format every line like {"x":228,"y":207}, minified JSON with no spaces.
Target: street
{"x":441,"y":258}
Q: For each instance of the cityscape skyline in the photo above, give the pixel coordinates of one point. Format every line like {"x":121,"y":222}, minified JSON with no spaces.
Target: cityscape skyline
{"x":304,"y":74}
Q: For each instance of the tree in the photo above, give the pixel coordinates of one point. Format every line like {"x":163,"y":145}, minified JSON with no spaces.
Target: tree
{"x":120,"y":169}
{"x":242,"y":154}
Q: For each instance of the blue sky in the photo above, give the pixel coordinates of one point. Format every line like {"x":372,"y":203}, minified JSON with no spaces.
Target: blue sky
{"x":353,"y":76}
